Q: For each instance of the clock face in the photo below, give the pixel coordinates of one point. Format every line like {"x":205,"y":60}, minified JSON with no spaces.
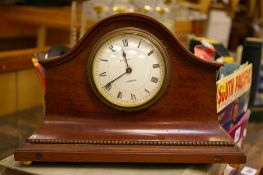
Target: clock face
{"x":129,"y":69}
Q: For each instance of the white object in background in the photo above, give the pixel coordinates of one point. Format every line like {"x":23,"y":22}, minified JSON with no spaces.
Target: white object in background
{"x":248,"y":171}
{"x":73,"y":24}
{"x":239,"y":51}
{"x":237,"y":135}
{"x":84,"y":19}
{"x":219,"y":26}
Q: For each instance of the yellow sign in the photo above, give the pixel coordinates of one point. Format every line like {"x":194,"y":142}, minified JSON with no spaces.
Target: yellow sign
{"x":233,"y":86}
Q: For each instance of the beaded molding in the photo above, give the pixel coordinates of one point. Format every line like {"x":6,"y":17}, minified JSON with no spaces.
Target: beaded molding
{"x":130,"y":142}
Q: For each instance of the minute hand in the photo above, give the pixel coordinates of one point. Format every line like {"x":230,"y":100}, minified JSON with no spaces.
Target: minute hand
{"x":108,"y":85}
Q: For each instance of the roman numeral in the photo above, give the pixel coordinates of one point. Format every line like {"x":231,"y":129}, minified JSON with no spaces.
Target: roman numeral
{"x":125,"y":42}
{"x":139,"y":44}
{"x":154,"y":80}
{"x":150,"y":53}
{"x":111,"y":48}
{"x":133,"y":97}
{"x":108,"y":86}
{"x":119,"y":95}
{"x":103,"y":60}
{"x":156,"y":65}
{"x":146,"y":90}
{"x":102,"y":74}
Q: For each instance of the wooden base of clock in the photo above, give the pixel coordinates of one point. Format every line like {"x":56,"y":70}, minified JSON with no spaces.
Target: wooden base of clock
{"x":181,"y":126}
{"x":179,"y":143}
{"x":131,"y":154}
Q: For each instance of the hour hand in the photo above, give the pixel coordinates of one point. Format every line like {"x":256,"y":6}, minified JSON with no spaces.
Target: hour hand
{"x":124,"y":55}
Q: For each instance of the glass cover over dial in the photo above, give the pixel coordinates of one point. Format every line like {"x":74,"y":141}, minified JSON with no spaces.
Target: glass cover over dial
{"x":129,"y":68}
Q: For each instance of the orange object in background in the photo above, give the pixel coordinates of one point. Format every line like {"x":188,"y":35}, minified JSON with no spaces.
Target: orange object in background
{"x":41,"y":72}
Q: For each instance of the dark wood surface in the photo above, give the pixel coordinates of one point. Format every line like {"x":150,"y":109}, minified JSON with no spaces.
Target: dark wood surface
{"x":181,"y":127}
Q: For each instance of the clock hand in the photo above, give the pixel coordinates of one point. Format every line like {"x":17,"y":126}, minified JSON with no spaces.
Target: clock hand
{"x":124,"y":55}
{"x":108,"y":85}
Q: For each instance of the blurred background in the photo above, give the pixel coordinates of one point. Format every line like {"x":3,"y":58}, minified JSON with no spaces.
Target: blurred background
{"x":33,"y":26}
{"x":49,"y":28}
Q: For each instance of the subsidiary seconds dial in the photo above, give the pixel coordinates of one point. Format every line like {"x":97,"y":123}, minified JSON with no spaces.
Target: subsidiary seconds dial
{"x":129,"y":69}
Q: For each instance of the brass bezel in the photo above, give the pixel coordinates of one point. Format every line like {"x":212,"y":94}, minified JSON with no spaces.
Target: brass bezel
{"x":150,"y":37}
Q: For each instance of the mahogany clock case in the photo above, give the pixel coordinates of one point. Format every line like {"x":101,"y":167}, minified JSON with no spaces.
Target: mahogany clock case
{"x":181,"y":127}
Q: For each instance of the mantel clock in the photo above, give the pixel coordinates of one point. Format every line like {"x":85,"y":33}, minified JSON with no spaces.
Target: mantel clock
{"x":130,"y":92}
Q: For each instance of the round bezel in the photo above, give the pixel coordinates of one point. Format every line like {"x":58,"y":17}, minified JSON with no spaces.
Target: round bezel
{"x":136,"y":31}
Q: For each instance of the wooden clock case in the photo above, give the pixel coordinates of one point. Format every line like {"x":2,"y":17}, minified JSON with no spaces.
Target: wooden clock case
{"x":181,"y":127}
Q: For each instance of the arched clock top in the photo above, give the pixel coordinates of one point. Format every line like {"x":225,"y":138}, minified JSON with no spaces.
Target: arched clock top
{"x":130,"y":20}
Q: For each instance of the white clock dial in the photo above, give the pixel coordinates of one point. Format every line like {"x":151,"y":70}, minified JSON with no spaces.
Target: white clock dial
{"x":129,"y":69}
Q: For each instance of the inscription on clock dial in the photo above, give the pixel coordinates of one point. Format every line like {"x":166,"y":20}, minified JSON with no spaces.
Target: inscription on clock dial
{"x":128,"y":69}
